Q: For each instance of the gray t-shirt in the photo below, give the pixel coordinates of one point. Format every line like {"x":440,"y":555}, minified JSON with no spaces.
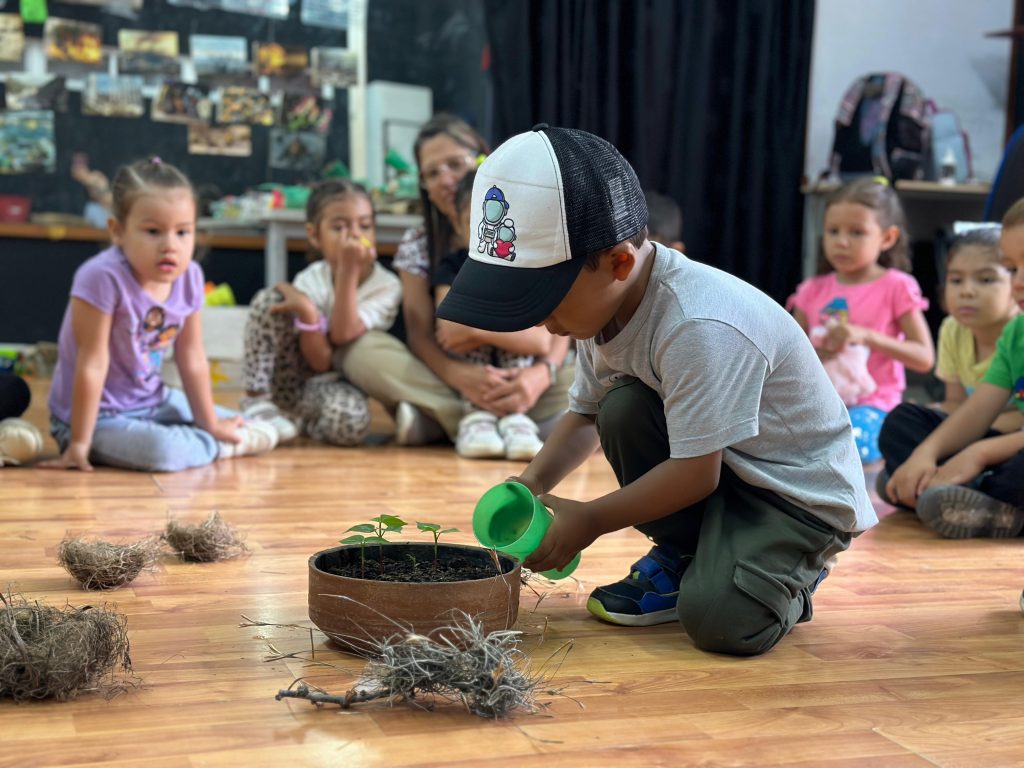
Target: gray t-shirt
{"x":735,"y":372}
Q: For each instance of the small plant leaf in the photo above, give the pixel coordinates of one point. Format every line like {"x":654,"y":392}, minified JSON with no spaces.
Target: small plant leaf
{"x":430,"y":527}
{"x":362,"y":528}
{"x":450,"y":530}
{"x":354,"y":540}
{"x":390,"y":521}
{"x":375,"y":540}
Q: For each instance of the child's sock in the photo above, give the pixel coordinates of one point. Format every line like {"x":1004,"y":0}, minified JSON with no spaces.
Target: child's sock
{"x":257,"y":437}
{"x":20,"y":441}
{"x":262,"y":408}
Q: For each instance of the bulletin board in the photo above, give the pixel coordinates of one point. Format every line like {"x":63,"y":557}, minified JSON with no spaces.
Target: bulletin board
{"x":112,"y":141}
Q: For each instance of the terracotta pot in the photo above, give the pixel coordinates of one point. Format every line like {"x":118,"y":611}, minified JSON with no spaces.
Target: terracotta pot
{"x":354,"y":612}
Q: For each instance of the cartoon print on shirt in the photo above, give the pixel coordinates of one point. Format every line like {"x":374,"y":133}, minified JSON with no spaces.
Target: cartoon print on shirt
{"x":153,"y":338}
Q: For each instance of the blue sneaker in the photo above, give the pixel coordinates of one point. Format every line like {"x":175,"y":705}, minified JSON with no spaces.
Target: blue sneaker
{"x":647,"y":596}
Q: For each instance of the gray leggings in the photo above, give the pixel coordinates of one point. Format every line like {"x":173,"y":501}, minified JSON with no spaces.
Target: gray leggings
{"x":328,"y":408}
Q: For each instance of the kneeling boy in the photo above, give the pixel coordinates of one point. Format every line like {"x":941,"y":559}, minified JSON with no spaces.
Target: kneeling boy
{"x":734,"y":453}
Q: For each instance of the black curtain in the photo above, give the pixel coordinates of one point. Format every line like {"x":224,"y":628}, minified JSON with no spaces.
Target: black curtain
{"x":707,"y":100}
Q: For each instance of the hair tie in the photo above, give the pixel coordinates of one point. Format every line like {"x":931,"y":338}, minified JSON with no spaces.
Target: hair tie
{"x":155,"y":160}
{"x":881,"y":180}
{"x":480,"y":159}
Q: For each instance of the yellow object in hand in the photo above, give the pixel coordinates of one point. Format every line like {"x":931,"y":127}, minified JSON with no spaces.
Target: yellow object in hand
{"x":365,"y":241}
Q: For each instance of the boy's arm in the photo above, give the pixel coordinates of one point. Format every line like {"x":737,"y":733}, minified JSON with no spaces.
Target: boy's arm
{"x":964,"y":426}
{"x":973,"y":459}
{"x":91,"y":330}
{"x":573,"y":440}
{"x":671,"y":486}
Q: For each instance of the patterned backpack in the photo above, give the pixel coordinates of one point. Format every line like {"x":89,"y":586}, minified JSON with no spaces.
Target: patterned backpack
{"x":882,"y":128}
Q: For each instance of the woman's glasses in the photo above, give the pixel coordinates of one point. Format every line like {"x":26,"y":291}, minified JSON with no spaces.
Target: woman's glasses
{"x":456,"y":166}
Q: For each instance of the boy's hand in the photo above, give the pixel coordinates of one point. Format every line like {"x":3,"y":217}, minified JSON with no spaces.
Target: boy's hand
{"x":226,"y":429}
{"x":294,"y":302}
{"x":75,"y":456}
{"x":961,"y":468}
{"x":910,"y":480}
{"x":528,"y":480}
{"x":571,"y":532}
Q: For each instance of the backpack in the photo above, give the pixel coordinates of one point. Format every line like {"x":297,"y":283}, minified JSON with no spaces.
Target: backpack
{"x":882,"y":128}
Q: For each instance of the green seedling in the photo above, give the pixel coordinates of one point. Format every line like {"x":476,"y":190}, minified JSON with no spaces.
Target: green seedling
{"x":435,"y":530}
{"x":380,"y":526}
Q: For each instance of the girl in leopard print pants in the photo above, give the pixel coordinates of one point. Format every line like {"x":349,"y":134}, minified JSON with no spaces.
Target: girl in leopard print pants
{"x":325,"y":406}
{"x":294,"y":329}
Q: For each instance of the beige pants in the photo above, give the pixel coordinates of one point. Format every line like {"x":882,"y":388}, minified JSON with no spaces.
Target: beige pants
{"x":386,"y":370}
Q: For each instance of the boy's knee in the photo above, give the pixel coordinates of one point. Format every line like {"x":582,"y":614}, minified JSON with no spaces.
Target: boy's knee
{"x":733,"y":621}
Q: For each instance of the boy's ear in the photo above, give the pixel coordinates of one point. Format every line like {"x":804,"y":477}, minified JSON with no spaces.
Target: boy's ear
{"x":312,"y":236}
{"x":115,"y":229}
{"x":622,"y":259}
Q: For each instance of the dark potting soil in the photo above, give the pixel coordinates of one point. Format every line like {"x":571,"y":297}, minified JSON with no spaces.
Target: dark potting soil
{"x":448,"y":567}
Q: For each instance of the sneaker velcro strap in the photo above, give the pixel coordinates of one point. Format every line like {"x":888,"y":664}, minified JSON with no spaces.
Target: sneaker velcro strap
{"x":662,"y":580}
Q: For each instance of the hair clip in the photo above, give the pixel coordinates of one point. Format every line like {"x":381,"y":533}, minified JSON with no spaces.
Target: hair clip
{"x":480,"y":159}
{"x":155,"y":160}
{"x":881,"y":180}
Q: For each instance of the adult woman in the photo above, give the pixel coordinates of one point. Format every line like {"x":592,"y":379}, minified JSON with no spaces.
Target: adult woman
{"x":424,"y":386}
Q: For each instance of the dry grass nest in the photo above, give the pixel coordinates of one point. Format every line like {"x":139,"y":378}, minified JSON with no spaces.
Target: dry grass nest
{"x":207,"y":542}
{"x":48,"y":652}
{"x":101,"y":565}
{"x":487,"y":672}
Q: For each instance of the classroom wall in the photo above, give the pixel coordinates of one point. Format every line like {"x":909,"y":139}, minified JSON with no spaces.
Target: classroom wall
{"x":436,"y":44}
{"x":939,"y":44}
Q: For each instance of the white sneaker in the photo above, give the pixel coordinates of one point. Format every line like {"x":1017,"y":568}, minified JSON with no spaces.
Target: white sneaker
{"x":413,"y":427}
{"x":478,"y":437}
{"x":520,"y":436}
{"x":257,"y":437}
{"x":263,"y":409}
{"x":20,"y":441}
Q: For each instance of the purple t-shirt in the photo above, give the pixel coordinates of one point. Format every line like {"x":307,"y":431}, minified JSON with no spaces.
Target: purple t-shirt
{"x":142,"y":329}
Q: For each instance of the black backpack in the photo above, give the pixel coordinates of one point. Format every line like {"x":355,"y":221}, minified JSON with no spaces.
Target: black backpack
{"x":881,"y":128}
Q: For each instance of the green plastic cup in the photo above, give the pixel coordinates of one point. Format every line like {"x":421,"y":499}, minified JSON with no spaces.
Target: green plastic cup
{"x":510,"y":519}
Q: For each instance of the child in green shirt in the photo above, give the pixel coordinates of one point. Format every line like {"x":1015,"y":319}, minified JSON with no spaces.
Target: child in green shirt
{"x":965,"y":479}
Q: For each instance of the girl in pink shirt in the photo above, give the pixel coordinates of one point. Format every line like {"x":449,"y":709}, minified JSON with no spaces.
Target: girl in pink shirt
{"x":864,"y":295}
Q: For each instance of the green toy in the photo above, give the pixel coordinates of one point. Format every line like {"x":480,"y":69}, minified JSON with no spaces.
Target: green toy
{"x":510,"y":519}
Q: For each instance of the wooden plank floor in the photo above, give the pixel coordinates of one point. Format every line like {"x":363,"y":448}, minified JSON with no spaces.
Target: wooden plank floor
{"x":915,"y":656}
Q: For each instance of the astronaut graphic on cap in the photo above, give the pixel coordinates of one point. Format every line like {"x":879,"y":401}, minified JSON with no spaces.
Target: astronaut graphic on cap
{"x":496,"y":232}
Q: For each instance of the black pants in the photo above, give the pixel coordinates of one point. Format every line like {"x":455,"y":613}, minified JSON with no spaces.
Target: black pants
{"x":906,"y":427}
{"x":14,"y":395}
{"x":753,"y":557}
